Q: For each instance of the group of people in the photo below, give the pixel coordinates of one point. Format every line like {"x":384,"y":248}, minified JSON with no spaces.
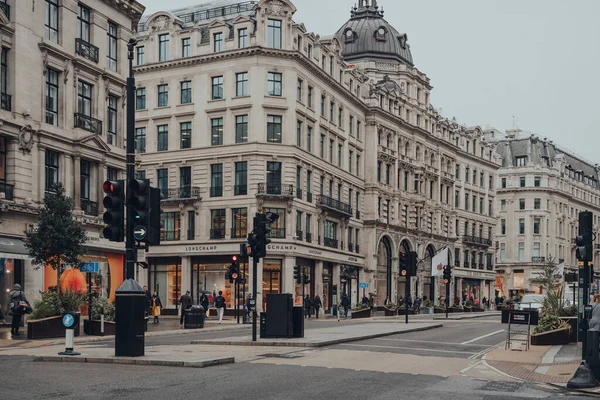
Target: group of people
{"x":309,"y":304}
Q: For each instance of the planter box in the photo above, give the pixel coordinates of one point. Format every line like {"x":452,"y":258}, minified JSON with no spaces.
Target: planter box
{"x":47,"y":328}
{"x":366,"y":313}
{"x":426,"y":310}
{"x":477,"y":309}
{"x":572,"y":321}
{"x":109,"y":327}
{"x":390,"y":313}
{"x":438,"y":310}
{"x":468,"y":309}
{"x":402,"y":311}
{"x":455,"y":310}
{"x":550,"y":338}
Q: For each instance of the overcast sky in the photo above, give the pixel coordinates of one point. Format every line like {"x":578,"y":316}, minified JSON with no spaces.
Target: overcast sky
{"x":490,"y":60}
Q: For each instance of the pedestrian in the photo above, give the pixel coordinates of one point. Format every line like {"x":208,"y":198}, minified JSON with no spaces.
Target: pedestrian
{"x":386,"y":301}
{"x":317,"y":304}
{"x":220,"y":304}
{"x":186,"y":305}
{"x":418,"y":304}
{"x":484,"y":302}
{"x":248,"y":307}
{"x":15,"y":299}
{"x":345,"y":304}
{"x":409,"y":301}
{"x":307,"y":306}
{"x":148,"y":297}
{"x":365,"y":300}
{"x":205,"y":303}
{"x":156,"y":307}
{"x":371,"y":303}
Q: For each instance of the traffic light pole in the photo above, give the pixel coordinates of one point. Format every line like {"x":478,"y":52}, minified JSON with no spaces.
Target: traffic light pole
{"x":130,"y":255}
{"x":407,"y":294}
{"x":586,"y":299}
{"x":447,"y":296}
{"x":254,"y":289}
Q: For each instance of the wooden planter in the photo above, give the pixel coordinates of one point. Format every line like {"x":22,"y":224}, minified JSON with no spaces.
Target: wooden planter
{"x":468,"y":309}
{"x":47,"y":328}
{"x":438,"y":310}
{"x":109,"y":327}
{"x":426,"y":310}
{"x":551,"y":338}
{"x":390,"y":313}
{"x":477,"y":309}
{"x":456,"y":309}
{"x":572,"y":321}
{"x":366,"y":313}
{"x":402,"y":311}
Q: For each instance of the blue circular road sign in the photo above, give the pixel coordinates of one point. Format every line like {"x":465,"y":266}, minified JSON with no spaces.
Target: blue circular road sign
{"x":139,"y":233}
{"x":68,"y":320}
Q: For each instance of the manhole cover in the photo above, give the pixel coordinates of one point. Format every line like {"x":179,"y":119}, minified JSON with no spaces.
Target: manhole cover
{"x":508,"y":387}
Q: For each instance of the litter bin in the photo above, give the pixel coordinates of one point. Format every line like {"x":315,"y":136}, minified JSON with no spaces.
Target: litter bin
{"x":194,"y":318}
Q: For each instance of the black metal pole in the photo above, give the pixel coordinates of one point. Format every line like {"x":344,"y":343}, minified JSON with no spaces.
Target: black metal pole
{"x":302,"y":301}
{"x":447,"y":297}
{"x":89,"y":277}
{"x":407,"y":294}
{"x":237,"y":299}
{"x":254,"y":289}
{"x":130,"y":254}
{"x":586,"y":299}
{"x":244,"y":268}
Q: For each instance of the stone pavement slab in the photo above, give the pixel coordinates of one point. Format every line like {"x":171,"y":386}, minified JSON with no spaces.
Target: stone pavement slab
{"x":461,"y":316}
{"x":328,"y":336}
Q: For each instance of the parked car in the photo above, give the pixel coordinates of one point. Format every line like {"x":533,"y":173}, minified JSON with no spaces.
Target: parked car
{"x":531,"y":302}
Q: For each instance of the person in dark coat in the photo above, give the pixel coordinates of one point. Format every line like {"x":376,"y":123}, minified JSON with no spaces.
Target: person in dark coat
{"x":317,"y":304}
{"x":148,"y":297}
{"x":186,"y":304}
{"x":204,"y":302}
{"x":409,"y":301}
{"x":365,"y":300}
{"x":345,"y":304}
{"x":156,"y":307}
{"x":307,"y":306}
{"x":15,"y":295}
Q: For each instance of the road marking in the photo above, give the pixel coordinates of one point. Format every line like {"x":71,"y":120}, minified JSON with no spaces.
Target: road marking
{"x":407,"y":348}
{"x":484,"y":336}
{"x":427,"y":341}
{"x":551,"y":354}
{"x":468,"y":368}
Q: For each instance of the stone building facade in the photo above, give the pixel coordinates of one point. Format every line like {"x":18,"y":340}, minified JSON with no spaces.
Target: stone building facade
{"x":61,"y":120}
{"x":240,"y":109}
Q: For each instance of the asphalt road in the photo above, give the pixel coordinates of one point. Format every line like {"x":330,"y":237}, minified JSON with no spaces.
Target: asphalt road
{"x":25,"y":379}
{"x":457,"y":339}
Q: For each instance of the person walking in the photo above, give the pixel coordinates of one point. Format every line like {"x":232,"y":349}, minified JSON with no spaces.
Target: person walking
{"x":204,"y":302}
{"x":409,"y":301}
{"x":148,"y":298}
{"x":248,"y":314}
{"x":186,"y":305}
{"x":365,"y":300}
{"x":386,"y":301}
{"x":15,"y":297}
{"x":345,"y":304}
{"x":220,"y":304}
{"x":317,"y":304}
{"x":156,"y":307}
{"x":307,"y":306}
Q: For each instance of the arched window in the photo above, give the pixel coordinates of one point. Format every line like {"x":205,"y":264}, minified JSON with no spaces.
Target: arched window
{"x":381,"y":34}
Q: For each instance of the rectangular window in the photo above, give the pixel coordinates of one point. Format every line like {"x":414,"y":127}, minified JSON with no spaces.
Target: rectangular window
{"x":323,"y":106}
{"x":217,"y":87}
{"x":536,"y":204}
{"x":217,"y":224}
{"x":242,"y":38}
{"x":521,"y":204}
{"x":51,"y":169}
{"x":186,"y":92}
{"x":467,"y":201}
{"x":83,"y":20}
{"x":140,"y":99}
{"x":502,"y":205}
{"x":299,"y":133}
{"x":241,"y":129}
{"x":299,"y":90}
{"x":521,"y":161}
{"x":340,"y":117}
{"x":163,"y":182}
{"x":240,"y":222}
{"x":331,"y":111}
{"x":218,"y":42}
{"x":163,"y":47}
{"x":358,"y":129}
{"x":309,"y":97}
{"x":273,"y":177}
{"x":322,"y":146}
{"x":309,"y":139}
{"x":163,"y":95}
{"x":387,"y":174}
{"x":351,"y":125}
{"x":536,"y":226}
{"x":522,"y":181}
{"x":84,"y":98}
{"x":51,"y":97}
{"x":481,"y":179}
{"x":216,"y":131}
{"x":185,"y":47}
{"x":241,"y":84}
{"x":274,"y":81}
{"x":111,"y":127}
{"x":191,"y":233}
{"x":456,"y":198}
{"x":339,"y":155}
{"x":521,"y":226}
{"x":140,"y":140}
{"x":503,"y":183}
{"x":112,"y":174}
{"x":536,"y":249}
{"x":170,"y":226}
{"x":84,"y":179}
{"x":111,"y":52}
{"x":185,"y":133}
{"x":350,"y":160}
{"x":274,"y":33}
{"x":185,"y":180}
{"x":274,"y":123}
{"x":331,"y":151}
{"x":163,"y":138}
{"x":140,"y":55}
{"x":216,"y":180}
{"x":537,"y":181}
{"x":241,"y":178}
{"x":52,"y":20}
{"x":521,"y":251}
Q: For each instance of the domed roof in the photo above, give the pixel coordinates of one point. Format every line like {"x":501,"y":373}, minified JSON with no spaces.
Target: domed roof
{"x":367,"y":35}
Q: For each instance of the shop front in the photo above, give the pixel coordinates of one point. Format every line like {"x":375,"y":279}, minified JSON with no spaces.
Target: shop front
{"x":208,"y":275}
{"x":13,"y":256}
{"x":271,"y":279}
{"x":308,"y":266}
{"x":349,"y":278}
{"x":327,"y":296}
{"x":471,"y":289}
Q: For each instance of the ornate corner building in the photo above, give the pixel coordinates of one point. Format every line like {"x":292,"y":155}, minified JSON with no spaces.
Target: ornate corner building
{"x":239,"y":109}
{"x":62,"y":119}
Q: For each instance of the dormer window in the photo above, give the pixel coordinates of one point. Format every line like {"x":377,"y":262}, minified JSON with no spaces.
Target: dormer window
{"x":349,"y":36}
{"x":381,"y":34}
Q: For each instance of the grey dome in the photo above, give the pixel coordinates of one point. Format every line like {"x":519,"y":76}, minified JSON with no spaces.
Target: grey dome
{"x":367,"y":35}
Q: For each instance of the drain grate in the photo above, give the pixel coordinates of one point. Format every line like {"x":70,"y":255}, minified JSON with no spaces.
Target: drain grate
{"x":508,"y":387}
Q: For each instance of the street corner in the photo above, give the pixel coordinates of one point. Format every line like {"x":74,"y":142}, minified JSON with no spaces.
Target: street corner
{"x":154,"y":360}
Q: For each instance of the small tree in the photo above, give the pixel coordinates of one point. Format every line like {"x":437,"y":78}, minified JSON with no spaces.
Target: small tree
{"x":58,"y":238}
{"x":554,"y":303}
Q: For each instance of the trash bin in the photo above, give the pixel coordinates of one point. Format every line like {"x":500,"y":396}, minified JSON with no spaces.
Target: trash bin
{"x":194,"y":318}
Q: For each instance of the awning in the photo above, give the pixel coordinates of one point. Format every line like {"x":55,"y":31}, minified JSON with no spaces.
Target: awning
{"x":13,"y":248}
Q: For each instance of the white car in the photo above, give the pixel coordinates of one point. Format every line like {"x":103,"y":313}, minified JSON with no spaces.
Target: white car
{"x":531,"y":302}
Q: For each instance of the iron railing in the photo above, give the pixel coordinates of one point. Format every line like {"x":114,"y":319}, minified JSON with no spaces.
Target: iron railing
{"x":89,"y":207}
{"x":308,"y":237}
{"x":191,"y":234}
{"x":180,"y":193}
{"x":88,"y":123}
{"x":240,"y":190}
{"x":8,"y":190}
{"x":276,"y":189}
{"x":350,"y":247}
{"x":169,"y":235}
{"x":217,"y":233}
{"x":309,"y":197}
{"x":357,"y":249}
{"x":334,"y":204}
{"x":477,"y":240}
{"x":86,"y":50}
{"x":357,"y":214}
{"x":6,"y":99}
{"x":537,"y":259}
{"x":330,"y":242}
{"x":466,"y":264}
{"x":238,"y":233}
{"x":299,"y":193}
{"x":299,"y":235}
{"x":277,"y":233}
{"x":216,"y":191}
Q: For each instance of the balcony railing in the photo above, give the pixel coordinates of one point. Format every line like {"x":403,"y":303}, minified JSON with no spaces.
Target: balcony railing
{"x":308,"y":237}
{"x":350,"y":246}
{"x":181,"y":193}
{"x":466,"y":264}
{"x":216,"y":191}
{"x":299,"y":235}
{"x":6,"y":99}
{"x":8,"y":190}
{"x":169,"y":235}
{"x":88,"y":123}
{"x":6,"y":9}
{"x":480,"y":266}
{"x":474,"y":265}
{"x":89,"y":207}
{"x":299,"y":193}
{"x":277,"y":233}
{"x":357,"y":214}
{"x":538,"y":259}
{"x":357,"y":249}
{"x":86,"y":50}
{"x":217,"y":233}
{"x":274,"y":189}
{"x":238,"y":233}
{"x":191,"y":234}
{"x":240,"y":190}
{"x":477,"y":240}
{"x":309,"y":197}
{"x":333,"y":204}
{"x":330,"y":242}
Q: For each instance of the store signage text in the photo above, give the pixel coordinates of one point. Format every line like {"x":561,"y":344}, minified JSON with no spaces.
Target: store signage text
{"x":353,"y":259}
{"x":281,"y":247}
{"x":201,"y":248}
{"x":315,"y":252}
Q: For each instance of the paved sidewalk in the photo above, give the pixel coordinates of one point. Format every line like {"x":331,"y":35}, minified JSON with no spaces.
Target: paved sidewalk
{"x":461,"y":316}
{"x":319,"y":337}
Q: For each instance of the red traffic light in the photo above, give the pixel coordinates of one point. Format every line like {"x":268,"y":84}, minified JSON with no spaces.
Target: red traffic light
{"x":403,"y":272}
{"x":234,"y":258}
{"x":111,"y":187}
{"x":446,"y":281}
{"x":234,"y":276}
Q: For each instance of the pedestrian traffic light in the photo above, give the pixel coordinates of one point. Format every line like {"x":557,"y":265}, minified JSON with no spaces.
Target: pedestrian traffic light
{"x":297,"y":274}
{"x":138,"y":199}
{"x":404,"y":263}
{"x":305,"y":278}
{"x":154,"y":223}
{"x":250,"y":247}
{"x":585,"y":238}
{"x":447,"y":274}
{"x":114,"y":217}
{"x":412,"y":263}
{"x":234,"y":268}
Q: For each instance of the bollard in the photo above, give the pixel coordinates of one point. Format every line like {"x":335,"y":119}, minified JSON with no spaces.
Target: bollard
{"x":130,"y":308}
{"x":70,"y":322}
{"x":102,"y":325}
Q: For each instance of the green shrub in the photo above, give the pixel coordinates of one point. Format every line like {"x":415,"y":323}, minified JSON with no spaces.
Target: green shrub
{"x":469,"y":303}
{"x":550,"y":322}
{"x":54,"y":303}
{"x":427,"y":304}
{"x":102,"y":305}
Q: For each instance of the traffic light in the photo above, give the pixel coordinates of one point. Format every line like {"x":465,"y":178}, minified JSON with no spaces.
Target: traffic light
{"x":404,"y":264}
{"x":261,"y":231}
{"x":305,"y":278}
{"x":447,"y":274}
{"x":412,"y":263}
{"x":114,"y":217}
{"x":584,"y":239}
{"x":138,"y":199}
{"x":297,"y":274}
{"x":154,"y":218}
{"x":234,"y":268}
{"x":252,"y":243}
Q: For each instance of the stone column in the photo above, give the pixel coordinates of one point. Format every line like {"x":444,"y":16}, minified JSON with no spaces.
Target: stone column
{"x":77,"y":181}
{"x":335,"y":280}
{"x":186,"y":274}
{"x":287,"y":275}
{"x":318,"y":277}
